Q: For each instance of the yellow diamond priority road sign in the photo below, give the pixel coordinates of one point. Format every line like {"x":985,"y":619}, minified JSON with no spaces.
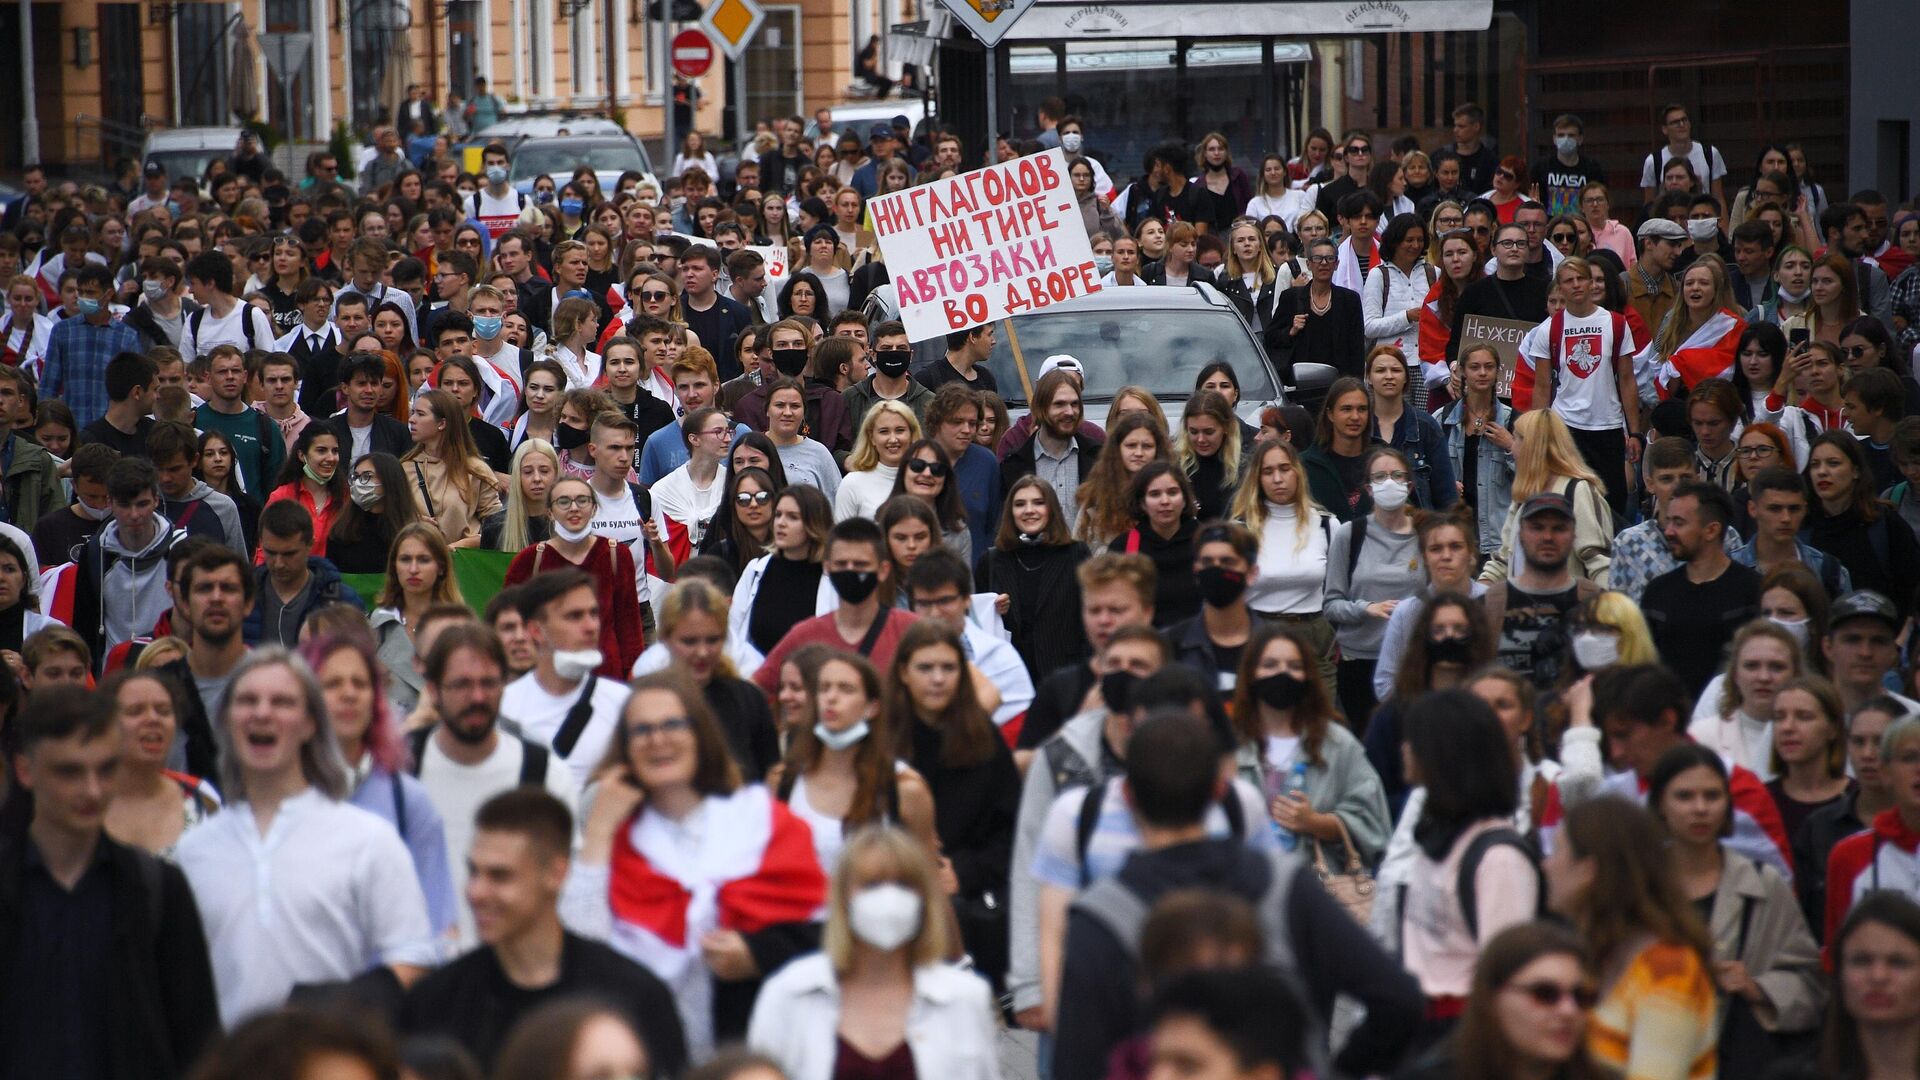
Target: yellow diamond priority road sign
{"x":988,"y":20}
{"x":732,"y":23}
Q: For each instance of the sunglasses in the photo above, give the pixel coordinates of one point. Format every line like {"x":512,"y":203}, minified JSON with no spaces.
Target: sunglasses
{"x":1564,"y":238}
{"x":1547,"y":994}
{"x":936,"y":469}
{"x":752,"y":498}
{"x":1855,"y":352}
{"x":656,"y":297}
{"x":1357,"y":148}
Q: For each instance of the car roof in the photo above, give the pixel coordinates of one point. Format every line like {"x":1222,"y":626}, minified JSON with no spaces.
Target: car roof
{"x":1135,"y":297}
{"x":532,"y":126}
{"x":192,"y":138}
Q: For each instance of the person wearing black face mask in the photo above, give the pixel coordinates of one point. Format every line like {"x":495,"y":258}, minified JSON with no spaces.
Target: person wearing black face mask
{"x":1089,"y":749}
{"x":1319,"y":787}
{"x":891,"y":381}
{"x":1451,"y":639}
{"x":856,"y":566}
{"x":1224,"y":554}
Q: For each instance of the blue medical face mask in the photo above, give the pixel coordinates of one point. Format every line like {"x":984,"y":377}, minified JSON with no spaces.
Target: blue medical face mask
{"x":486,"y":327}
{"x":87,"y":306}
{"x":572,"y":207}
{"x":496,"y":174}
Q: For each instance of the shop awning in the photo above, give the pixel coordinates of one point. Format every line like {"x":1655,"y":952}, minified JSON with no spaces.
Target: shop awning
{"x":1119,"y":20}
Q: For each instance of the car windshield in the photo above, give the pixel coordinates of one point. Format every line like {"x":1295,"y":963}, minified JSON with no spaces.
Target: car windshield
{"x":1162,"y":350}
{"x":181,"y":163}
{"x":561,"y":159}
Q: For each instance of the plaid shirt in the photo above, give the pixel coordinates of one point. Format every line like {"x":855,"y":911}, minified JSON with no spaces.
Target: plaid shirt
{"x":76,"y":365}
{"x":1905,"y":292}
{"x":1640,"y":554}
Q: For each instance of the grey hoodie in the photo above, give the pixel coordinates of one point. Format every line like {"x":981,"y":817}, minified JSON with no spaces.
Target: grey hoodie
{"x":133,"y":593}
{"x":223,"y":508}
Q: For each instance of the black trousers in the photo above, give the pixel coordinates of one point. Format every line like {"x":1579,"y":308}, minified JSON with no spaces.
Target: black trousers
{"x":1354,"y":681}
{"x":1606,"y":454}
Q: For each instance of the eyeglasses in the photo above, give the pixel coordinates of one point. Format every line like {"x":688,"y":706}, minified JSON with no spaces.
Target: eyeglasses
{"x":937,"y":469}
{"x":928,"y":603}
{"x":719,"y":433}
{"x":1548,"y":994}
{"x":1752,"y":452}
{"x":752,"y":498}
{"x":1323,"y":260}
{"x":1593,"y":200}
{"x":674,"y":726}
{"x":1398,"y":475}
{"x":575,"y":502}
{"x":1452,"y":222}
{"x":1510,"y":244}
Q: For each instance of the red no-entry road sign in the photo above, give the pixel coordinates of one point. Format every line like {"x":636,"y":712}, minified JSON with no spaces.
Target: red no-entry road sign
{"x":692,"y":53}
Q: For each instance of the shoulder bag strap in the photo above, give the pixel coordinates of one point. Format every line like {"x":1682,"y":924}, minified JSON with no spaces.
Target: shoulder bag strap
{"x":577,"y":717}
{"x":533,"y":764}
{"x":872,"y":639}
{"x":1083,"y":826}
{"x":420,"y":479}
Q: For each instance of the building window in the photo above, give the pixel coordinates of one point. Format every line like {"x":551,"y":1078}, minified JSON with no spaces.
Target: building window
{"x":584,"y":53}
{"x":540,"y":47}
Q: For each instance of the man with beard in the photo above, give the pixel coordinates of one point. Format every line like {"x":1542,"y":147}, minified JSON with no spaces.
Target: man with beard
{"x":1531,"y":608}
{"x":561,"y":704}
{"x":464,"y":760}
{"x":1694,"y":609}
{"x":216,"y":587}
{"x":1058,"y":452}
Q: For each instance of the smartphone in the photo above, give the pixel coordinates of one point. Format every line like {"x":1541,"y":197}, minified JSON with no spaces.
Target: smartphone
{"x":1797,"y":338}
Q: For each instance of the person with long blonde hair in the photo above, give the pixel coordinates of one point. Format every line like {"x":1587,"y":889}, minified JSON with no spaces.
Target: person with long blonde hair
{"x":1207,"y":448}
{"x":1132,"y":398}
{"x":886,"y":433}
{"x":535,"y":468}
{"x":1545,"y":459}
{"x":881,"y":997}
{"x":1699,"y":337}
{"x":1289,"y":582}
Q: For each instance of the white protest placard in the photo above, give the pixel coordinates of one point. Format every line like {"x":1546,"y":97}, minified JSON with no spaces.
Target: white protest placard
{"x":984,"y":245}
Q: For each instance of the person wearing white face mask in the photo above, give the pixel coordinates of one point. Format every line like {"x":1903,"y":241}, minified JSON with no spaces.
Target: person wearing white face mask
{"x":840,"y":774}
{"x":1073,"y":141}
{"x":880,"y":998}
{"x":1372,"y":562}
{"x":610,"y":563}
{"x":562,"y":702}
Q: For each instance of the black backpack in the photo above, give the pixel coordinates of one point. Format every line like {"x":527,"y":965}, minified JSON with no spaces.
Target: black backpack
{"x":1464,"y":887}
{"x":1089,"y":819}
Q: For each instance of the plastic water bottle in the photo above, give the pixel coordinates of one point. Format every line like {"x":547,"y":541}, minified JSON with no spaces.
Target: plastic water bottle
{"x":1296,"y":785}
{"x":1282,"y":784}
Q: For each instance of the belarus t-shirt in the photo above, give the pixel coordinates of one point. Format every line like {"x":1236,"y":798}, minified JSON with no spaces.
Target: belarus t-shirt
{"x":1587,"y":394}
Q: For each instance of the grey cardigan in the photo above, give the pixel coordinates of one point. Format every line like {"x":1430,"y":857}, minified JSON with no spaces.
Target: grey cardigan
{"x":1344,"y":784}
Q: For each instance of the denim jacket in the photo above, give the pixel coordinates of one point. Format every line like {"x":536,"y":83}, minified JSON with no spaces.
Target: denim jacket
{"x":1418,"y":436}
{"x":1493,"y":486}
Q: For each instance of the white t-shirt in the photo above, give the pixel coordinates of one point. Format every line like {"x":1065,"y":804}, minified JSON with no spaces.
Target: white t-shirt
{"x":246,"y":327}
{"x":458,"y":791}
{"x":1650,"y":170}
{"x":617,"y":518}
{"x":540,"y":715}
{"x":1588,"y":394}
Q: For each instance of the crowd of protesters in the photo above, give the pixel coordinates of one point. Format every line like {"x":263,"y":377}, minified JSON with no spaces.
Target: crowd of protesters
{"x":1543,"y":712}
